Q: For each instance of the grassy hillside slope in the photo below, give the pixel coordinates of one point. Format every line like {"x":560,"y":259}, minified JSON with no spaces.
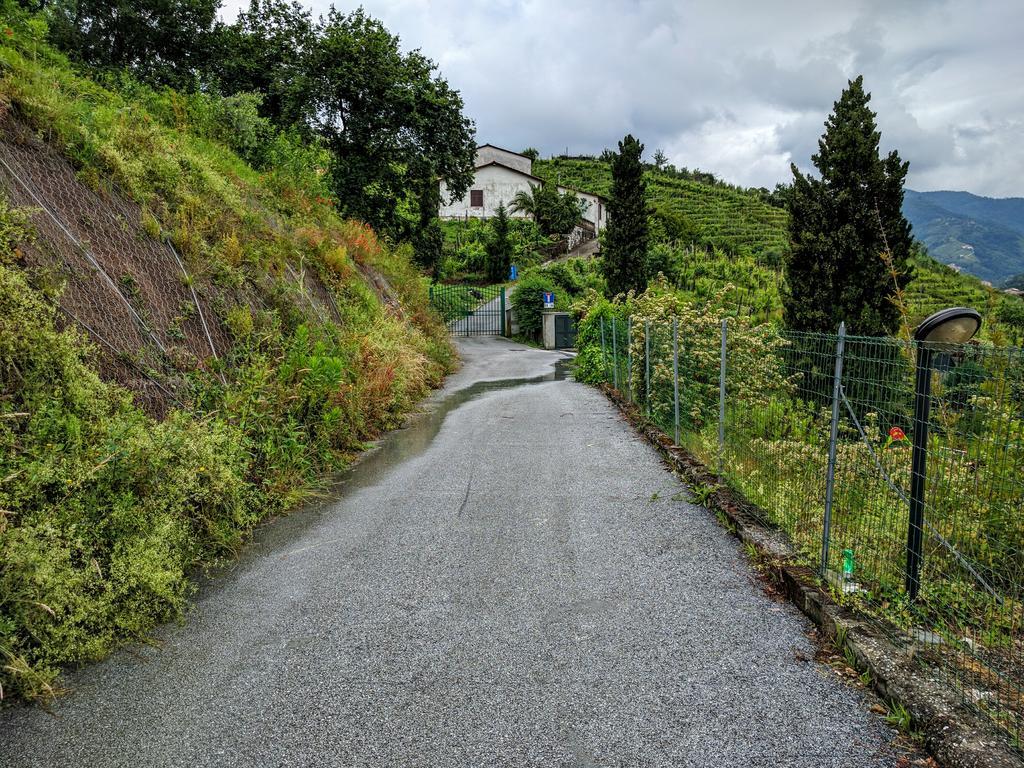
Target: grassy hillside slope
{"x":726,"y":236}
{"x":716,"y":216}
{"x":190,"y":341}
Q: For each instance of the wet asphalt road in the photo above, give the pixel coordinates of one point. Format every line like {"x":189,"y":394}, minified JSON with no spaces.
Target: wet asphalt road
{"x":494,"y":587}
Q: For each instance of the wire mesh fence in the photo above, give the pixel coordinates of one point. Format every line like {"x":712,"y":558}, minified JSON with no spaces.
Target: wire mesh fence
{"x":154,"y":315}
{"x":914,"y":515}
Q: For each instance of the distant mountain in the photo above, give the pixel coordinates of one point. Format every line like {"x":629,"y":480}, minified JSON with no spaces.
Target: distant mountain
{"x":980,"y":235}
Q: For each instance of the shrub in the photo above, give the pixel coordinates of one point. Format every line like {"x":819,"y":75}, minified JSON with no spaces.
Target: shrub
{"x":591,"y":363}
{"x":109,"y":509}
{"x":104,"y":510}
{"x":576,"y":276}
{"x":528,"y":303}
{"x":755,"y":362}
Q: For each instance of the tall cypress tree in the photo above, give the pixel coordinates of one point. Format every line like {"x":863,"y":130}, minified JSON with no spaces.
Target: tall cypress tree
{"x":626,"y":241}
{"x":842,"y":225}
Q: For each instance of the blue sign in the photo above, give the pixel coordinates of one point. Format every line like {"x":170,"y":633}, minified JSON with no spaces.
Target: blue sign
{"x":549,"y":300}
{"x":513,"y":273}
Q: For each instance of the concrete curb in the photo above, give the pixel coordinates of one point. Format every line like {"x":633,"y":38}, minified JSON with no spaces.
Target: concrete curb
{"x":955,"y":735}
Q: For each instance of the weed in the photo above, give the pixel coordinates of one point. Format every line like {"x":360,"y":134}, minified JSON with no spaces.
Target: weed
{"x":842,"y":635}
{"x":725,"y":521}
{"x":105,"y":510}
{"x":150,"y":225}
{"x":850,"y":656}
{"x":702,"y":493}
{"x":899,"y":717}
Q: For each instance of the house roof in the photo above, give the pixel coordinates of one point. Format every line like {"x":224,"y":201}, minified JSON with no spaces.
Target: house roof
{"x":583,"y":192}
{"x":530,"y":175}
{"x":495,"y":146}
{"x":538,"y":178}
{"x":510,"y":168}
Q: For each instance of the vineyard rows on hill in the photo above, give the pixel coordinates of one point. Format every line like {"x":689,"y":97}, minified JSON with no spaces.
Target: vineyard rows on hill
{"x":734,"y":238}
{"x":719,"y":216}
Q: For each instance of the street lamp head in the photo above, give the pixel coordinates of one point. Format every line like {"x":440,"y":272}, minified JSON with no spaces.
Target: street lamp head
{"x":949,"y":326}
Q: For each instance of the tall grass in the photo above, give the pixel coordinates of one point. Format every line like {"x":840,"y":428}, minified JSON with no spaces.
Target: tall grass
{"x":105,"y":511}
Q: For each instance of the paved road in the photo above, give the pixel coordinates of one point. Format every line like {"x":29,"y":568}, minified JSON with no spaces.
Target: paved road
{"x":585,"y":249}
{"x":494,"y":587}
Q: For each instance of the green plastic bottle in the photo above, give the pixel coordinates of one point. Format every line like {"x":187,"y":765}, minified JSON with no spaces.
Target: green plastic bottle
{"x":847,"y":564}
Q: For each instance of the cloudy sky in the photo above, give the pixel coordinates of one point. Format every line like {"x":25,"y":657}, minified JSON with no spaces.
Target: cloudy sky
{"x":737,"y":88}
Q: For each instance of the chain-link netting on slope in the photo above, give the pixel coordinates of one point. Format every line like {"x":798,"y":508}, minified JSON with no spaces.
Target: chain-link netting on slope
{"x":151,"y":316}
{"x":773,"y":445}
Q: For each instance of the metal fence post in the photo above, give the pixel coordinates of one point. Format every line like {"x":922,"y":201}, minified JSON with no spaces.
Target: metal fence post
{"x":675,"y":372}
{"x":604,"y":353}
{"x":830,"y":477}
{"x":629,"y":357}
{"x":721,"y":400}
{"x":503,"y":329}
{"x":919,"y":466}
{"x":615,"y":355}
{"x":647,"y":365}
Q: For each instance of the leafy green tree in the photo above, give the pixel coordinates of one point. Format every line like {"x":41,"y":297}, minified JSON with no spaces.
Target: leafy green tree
{"x":565,"y":213}
{"x":428,"y":239}
{"x":392,"y":125}
{"x":160,"y":41}
{"x":268,"y":50}
{"x":778,"y":197}
{"x":670,"y":225}
{"x":845,"y":226}
{"x":499,"y":247}
{"x":527,"y":202}
{"x":626,"y":236}
{"x":660,"y":159}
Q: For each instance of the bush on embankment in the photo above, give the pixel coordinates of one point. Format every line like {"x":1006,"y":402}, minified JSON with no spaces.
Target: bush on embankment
{"x":105,"y":510}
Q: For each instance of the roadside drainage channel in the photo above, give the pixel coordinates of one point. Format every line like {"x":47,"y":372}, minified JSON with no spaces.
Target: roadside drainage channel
{"x":955,"y":735}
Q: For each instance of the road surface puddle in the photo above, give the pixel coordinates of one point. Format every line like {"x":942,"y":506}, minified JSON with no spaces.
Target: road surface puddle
{"x":412,"y":440}
{"x":401,"y":445}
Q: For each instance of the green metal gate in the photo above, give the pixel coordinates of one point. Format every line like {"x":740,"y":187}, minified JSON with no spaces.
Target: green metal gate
{"x":565,"y":332}
{"x":470,"y":310}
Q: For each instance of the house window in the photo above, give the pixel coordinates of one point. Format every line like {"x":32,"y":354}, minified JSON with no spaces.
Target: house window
{"x":476,"y":198}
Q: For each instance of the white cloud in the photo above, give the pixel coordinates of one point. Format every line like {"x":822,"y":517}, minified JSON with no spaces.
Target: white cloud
{"x":746,"y":151}
{"x":734,"y":87}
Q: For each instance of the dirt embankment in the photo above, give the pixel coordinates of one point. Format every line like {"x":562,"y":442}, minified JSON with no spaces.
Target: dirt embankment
{"x":151,"y":316}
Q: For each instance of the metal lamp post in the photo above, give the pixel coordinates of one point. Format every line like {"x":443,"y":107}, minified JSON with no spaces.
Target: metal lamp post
{"x":936,"y":333}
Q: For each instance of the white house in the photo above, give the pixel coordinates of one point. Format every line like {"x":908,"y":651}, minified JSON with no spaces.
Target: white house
{"x":500,"y":175}
{"x":596,"y":211}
